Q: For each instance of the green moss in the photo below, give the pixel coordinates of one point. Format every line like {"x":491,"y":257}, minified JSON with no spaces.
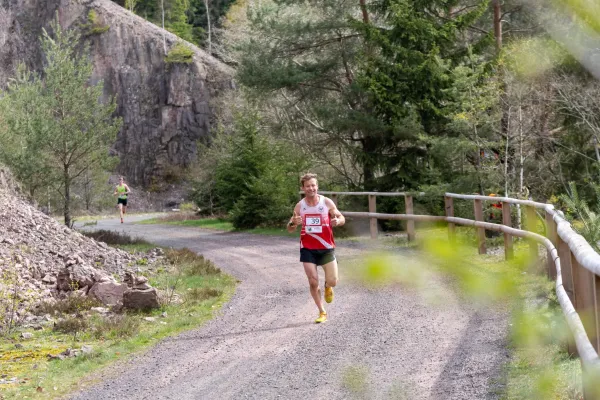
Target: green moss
{"x":179,"y":54}
{"x":94,"y":26}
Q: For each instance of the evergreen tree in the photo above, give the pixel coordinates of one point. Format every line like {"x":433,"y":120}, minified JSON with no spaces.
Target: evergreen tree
{"x":71,"y":127}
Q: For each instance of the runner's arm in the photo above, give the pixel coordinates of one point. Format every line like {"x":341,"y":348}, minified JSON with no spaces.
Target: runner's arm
{"x":338,"y":219}
{"x":128,"y":190}
{"x":295,"y":220}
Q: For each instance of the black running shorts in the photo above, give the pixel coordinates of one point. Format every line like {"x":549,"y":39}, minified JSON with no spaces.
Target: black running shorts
{"x":122,"y":201}
{"x":317,"y":257}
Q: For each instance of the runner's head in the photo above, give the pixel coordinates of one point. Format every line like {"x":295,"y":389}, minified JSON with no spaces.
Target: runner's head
{"x":121,"y":179}
{"x":309,"y":184}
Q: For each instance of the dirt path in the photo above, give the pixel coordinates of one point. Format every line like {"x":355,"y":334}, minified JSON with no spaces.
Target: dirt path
{"x":264,"y":345}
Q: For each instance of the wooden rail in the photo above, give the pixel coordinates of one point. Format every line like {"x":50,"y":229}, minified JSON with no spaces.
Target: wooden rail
{"x":572,"y":262}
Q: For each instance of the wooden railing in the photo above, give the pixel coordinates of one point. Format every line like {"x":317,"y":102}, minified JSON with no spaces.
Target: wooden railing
{"x":572,"y":262}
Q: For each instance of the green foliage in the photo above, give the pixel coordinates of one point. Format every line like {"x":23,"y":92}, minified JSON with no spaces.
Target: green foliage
{"x":196,"y":295}
{"x":70,"y":305}
{"x":11,"y":298}
{"x":255,"y":179}
{"x":179,"y":54}
{"x":589,"y":218}
{"x":68,"y":128}
{"x":193,"y":264}
{"x":94,"y":26}
{"x":71,"y":325}
{"x":118,"y":326}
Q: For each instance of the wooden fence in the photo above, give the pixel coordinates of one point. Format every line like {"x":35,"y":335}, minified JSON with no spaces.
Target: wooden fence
{"x":572,"y":262}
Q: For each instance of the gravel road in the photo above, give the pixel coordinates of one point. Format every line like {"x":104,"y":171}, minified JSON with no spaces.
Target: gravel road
{"x":264,"y":344}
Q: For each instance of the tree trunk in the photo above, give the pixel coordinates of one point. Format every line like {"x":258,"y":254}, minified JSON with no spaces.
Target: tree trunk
{"x":208,"y":25}
{"x":162,"y":6}
{"x":67,"y":196}
{"x":363,"y":8}
{"x":497,"y":25}
{"x":521,"y":167}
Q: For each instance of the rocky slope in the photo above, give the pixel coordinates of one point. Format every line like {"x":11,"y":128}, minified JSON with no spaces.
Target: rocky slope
{"x":49,"y":260}
{"x":166,"y":108}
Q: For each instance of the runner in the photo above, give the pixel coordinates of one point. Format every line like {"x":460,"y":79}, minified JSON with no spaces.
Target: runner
{"x":317,"y":214}
{"x":122,"y":190}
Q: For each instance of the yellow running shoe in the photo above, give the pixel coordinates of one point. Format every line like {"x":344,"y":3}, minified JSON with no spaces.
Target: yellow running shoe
{"x":328,"y":294}
{"x":322,"y":317}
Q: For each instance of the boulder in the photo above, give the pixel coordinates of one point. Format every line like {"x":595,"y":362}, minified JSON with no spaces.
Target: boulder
{"x":74,"y":277}
{"x":109,"y":293}
{"x":140,"y":299}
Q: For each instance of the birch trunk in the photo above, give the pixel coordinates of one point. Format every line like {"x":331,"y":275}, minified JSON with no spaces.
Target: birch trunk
{"x":208,"y":24}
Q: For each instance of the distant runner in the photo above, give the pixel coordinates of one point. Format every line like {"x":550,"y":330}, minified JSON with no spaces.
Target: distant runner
{"x":317,"y":214}
{"x":122,"y":190}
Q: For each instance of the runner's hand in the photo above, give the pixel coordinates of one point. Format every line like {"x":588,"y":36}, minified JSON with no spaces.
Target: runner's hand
{"x":335,"y":221}
{"x":296,"y":219}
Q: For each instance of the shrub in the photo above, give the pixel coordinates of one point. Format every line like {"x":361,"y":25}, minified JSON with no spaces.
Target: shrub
{"x":180,"y":54}
{"x":193,"y":264}
{"x":72,"y":304}
{"x":71,"y":325}
{"x":118,"y":326}
{"x":113,"y":238}
{"x":255,"y":178}
{"x":196,"y":295}
{"x":94,"y":26}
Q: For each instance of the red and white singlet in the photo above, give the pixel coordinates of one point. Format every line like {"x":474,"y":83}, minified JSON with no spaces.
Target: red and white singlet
{"x":316,"y":233}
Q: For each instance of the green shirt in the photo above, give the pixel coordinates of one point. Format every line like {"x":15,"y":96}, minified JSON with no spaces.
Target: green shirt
{"x":122,"y":191}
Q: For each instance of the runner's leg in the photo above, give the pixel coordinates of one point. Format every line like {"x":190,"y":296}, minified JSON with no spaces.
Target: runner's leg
{"x":331,"y":274}
{"x":120,"y":206}
{"x":313,"y":280}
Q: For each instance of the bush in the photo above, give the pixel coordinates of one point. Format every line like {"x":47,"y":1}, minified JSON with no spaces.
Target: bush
{"x":116,"y":327}
{"x":255,"y":178}
{"x":71,"y":325}
{"x":180,"y":54}
{"x":193,"y":264}
{"x":113,"y":238}
{"x":196,"y":295}
{"x":72,"y":304}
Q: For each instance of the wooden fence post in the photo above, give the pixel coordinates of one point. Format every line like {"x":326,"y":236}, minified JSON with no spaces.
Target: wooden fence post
{"x":449,"y":202}
{"x":531,"y":219}
{"x":508,"y":242}
{"x":564,"y":253}
{"x":410,"y":225}
{"x":551,"y":234}
{"x":478,"y":206}
{"x":584,"y":282}
{"x":373,"y":221}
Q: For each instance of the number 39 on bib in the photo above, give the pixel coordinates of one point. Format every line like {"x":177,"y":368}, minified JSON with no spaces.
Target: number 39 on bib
{"x":313,"y":223}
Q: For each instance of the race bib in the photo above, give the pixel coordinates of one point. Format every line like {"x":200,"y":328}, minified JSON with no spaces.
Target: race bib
{"x":313,"y":224}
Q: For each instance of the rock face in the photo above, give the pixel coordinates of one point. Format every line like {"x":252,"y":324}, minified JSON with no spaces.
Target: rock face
{"x":166,"y":108}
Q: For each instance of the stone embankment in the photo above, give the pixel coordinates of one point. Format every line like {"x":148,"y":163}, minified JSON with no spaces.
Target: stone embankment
{"x":42,"y":260}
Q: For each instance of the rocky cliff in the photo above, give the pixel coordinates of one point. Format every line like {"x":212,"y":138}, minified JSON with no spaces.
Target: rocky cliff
{"x":166,"y":108}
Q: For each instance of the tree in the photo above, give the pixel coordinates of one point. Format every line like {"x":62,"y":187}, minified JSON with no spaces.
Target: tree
{"x":20,"y":127}
{"x":73,"y":129}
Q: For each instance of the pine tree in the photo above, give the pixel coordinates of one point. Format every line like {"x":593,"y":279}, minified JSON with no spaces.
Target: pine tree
{"x":71,"y":126}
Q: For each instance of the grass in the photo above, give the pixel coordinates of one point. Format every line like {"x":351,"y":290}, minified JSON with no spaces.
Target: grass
{"x":193,"y":290}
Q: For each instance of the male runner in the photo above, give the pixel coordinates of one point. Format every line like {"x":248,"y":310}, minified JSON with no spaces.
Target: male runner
{"x":122,"y":190}
{"x":317,"y":215}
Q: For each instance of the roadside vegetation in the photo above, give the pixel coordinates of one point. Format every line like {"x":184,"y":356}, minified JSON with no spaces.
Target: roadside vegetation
{"x":191,"y":291}
{"x":539,"y":366}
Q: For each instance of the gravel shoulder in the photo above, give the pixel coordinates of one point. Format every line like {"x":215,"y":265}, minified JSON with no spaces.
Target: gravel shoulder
{"x":264,"y":344}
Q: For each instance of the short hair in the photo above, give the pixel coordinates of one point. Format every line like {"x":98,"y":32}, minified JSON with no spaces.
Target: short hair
{"x":308,"y":177}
